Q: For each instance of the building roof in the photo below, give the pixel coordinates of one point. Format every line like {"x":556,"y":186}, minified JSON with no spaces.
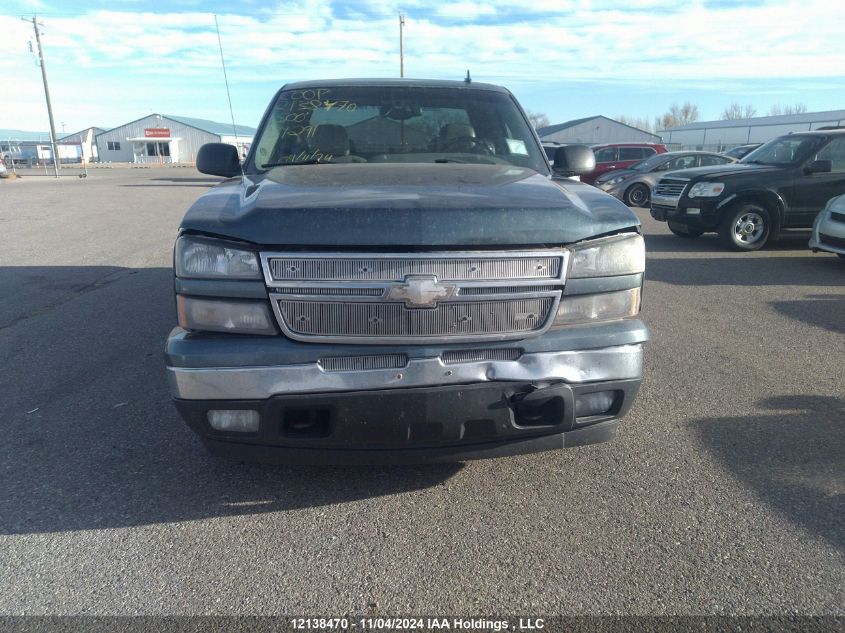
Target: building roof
{"x":781,"y":119}
{"x":551,"y":129}
{"x":97,"y":130}
{"x":212,"y":127}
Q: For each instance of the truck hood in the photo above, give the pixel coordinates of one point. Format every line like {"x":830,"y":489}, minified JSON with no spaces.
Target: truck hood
{"x":410,"y":205}
{"x":719,"y":171}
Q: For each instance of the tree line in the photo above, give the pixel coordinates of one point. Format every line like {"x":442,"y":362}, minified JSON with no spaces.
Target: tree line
{"x":682,"y":114}
{"x":688,"y":113}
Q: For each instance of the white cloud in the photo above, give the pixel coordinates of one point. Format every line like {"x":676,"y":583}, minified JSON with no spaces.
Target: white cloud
{"x":636,"y":41}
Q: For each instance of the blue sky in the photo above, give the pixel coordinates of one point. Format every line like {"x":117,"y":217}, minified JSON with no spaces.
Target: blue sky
{"x":114,"y":61}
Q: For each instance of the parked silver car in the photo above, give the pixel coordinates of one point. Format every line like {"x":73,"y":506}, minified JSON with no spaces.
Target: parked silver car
{"x":633,"y":185}
{"x":829,"y":228}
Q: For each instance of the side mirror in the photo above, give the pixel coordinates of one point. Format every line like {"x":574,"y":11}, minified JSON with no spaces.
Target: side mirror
{"x":819,"y":167}
{"x":218,"y":159}
{"x":573,"y":160}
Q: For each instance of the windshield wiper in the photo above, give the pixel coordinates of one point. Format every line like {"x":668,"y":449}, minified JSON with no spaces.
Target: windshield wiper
{"x":310,"y":161}
{"x":452,"y":160}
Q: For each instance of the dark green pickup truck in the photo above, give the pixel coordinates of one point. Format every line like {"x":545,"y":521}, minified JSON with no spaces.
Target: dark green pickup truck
{"x":397,"y":274}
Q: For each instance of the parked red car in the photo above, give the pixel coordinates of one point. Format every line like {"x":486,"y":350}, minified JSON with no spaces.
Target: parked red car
{"x":620,"y":156}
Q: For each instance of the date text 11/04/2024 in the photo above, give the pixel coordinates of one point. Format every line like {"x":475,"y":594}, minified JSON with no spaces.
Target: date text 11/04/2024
{"x":419,"y":624}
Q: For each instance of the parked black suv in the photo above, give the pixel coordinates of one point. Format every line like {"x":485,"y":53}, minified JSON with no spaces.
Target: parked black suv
{"x":780,"y":185}
{"x":396,"y":274}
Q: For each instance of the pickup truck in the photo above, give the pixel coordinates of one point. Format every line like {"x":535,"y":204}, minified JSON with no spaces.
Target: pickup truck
{"x":397,"y":274}
{"x":781,"y":185}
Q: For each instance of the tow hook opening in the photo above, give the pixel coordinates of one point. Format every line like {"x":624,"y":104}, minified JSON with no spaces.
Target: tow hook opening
{"x":537,"y":406}
{"x":306,"y":422}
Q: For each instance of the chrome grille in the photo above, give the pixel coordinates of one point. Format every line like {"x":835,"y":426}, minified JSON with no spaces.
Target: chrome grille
{"x":335,"y":292}
{"x":499,"y":290}
{"x":363,"y":268}
{"x":358,"y":363}
{"x":476,"y":355}
{"x":670,"y":188}
{"x":395,"y":321}
{"x":414,"y":297}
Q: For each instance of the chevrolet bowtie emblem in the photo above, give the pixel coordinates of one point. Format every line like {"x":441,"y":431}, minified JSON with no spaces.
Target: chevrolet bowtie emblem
{"x":421,"y":292}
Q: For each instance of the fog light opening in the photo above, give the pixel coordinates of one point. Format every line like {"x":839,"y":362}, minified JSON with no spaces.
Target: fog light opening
{"x":234,"y":420}
{"x":597,"y":403}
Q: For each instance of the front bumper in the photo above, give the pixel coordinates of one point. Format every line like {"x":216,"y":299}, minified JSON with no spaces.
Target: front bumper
{"x":426,"y":410}
{"x":699,"y":213}
{"x":829,"y":232}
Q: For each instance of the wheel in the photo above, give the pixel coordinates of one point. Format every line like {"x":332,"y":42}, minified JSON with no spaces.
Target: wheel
{"x":637,"y":195}
{"x":682,"y":230}
{"x":745,"y":227}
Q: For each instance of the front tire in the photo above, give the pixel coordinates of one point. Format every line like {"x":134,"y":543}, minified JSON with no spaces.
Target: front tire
{"x":745,"y":227}
{"x":637,"y":195}
{"x":682,"y":230}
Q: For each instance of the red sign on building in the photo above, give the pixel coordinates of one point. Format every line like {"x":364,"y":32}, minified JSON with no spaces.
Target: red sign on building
{"x":157,"y":132}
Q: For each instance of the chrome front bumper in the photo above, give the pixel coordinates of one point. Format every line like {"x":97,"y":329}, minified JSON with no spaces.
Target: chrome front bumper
{"x":620,"y":362}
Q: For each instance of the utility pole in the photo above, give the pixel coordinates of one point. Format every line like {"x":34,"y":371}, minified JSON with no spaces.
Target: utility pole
{"x":35,"y":24}
{"x":401,"y":46}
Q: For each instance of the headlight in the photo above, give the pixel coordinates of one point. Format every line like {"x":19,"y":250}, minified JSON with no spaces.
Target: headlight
{"x":213,"y":315}
{"x":606,"y":306}
{"x":606,"y":257}
{"x":201,"y":259}
{"x":706,"y":189}
{"x":616,"y":180}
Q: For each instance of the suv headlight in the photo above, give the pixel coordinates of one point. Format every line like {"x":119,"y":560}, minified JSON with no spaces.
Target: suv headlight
{"x":197,"y":258}
{"x":706,"y":189}
{"x":609,"y":256}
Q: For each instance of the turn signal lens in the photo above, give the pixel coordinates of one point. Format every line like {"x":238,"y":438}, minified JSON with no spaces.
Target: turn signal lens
{"x":606,"y":306}
{"x":212,"y":315}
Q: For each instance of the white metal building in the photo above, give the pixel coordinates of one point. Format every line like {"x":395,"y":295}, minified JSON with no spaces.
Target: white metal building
{"x":162,"y":138}
{"x":85,"y":140}
{"x":721,"y":135}
{"x":593,"y":130}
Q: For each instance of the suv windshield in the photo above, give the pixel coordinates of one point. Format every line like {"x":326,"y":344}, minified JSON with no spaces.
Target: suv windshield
{"x":785,"y":150}
{"x":385,"y":124}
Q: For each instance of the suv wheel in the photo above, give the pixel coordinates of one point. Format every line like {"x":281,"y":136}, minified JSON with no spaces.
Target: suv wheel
{"x":682,"y":230}
{"x":745,"y":227}
{"x":637,"y":195}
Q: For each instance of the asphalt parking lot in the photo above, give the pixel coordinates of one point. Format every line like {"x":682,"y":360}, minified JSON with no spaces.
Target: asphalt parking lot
{"x":723,"y":493}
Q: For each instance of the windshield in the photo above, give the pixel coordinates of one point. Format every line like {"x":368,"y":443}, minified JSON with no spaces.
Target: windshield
{"x":357,"y":124}
{"x":785,"y":150}
{"x":649,"y":163}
